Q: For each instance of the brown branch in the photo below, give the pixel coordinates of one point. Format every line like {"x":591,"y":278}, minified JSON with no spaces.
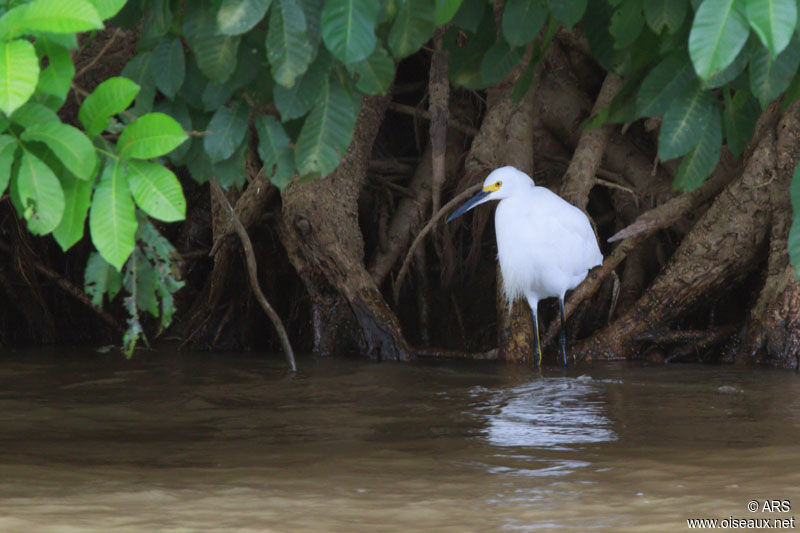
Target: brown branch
{"x":71,"y":289}
{"x":466,"y":193}
{"x":247,"y":245}
{"x":434,"y":353}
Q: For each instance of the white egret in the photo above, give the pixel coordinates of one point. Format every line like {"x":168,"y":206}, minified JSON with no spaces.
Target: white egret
{"x":545,"y":245}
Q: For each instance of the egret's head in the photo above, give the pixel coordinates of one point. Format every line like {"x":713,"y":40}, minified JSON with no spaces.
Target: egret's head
{"x":499,"y":184}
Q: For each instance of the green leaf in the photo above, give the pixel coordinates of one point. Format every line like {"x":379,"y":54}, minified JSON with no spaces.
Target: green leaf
{"x":464,"y":66}
{"x":215,"y":52}
{"x":348,"y":28}
{"x":62,"y":16}
{"x":112,"y":96}
{"x":232,"y":171}
{"x":8,"y":149}
{"x":227,"y":129}
{"x":107,"y":8}
{"x":158,"y":21}
{"x":77,"y":197}
{"x":239,"y":16}
{"x":327,"y":130}
{"x":773,"y":22}
{"x":375,"y":73}
{"x":112,"y":217}
{"x":522,"y":20}
{"x":150,"y":135}
{"x":100,"y":278}
{"x":732,"y":71}
{"x":156,"y":190}
{"x":70,"y":145}
{"x":178,"y":110}
{"x":32,"y":114}
{"x":567,"y":11}
{"x":294,"y":102}
{"x":794,"y":243}
{"x":739,"y":119}
{"x":664,"y":83}
{"x":446,"y":10}
{"x":469,"y":15}
{"x":684,"y":122}
{"x":12,"y":23}
{"x":661,"y":14}
{"x":140,"y":282}
{"x":56,"y":79}
{"x":139,"y":69}
{"x":40,"y":195}
{"x":169,"y":66}
{"x":701,"y":160}
{"x":718,"y":33}
{"x":288,"y":49}
{"x":626,"y":23}
{"x":274,"y":151}
{"x":498,"y":62}
{"x":19,"y":73}
{"x":770,"y":77}
{"x":413,"y":26}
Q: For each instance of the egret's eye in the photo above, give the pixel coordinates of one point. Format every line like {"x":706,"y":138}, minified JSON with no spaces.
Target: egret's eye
{"x":493,"y":187}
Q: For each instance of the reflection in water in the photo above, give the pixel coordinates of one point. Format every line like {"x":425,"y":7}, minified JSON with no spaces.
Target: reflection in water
{"x":207,"y":443}
{"x":550,"y":412}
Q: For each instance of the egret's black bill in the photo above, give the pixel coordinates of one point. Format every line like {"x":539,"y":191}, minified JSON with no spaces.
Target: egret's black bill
{"x":469,"y":204}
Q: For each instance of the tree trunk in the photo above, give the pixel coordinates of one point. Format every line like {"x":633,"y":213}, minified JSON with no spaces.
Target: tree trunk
{"x":319,"y":228}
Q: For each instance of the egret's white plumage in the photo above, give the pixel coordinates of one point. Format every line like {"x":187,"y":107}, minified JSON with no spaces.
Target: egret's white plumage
{"x":545,"y":245}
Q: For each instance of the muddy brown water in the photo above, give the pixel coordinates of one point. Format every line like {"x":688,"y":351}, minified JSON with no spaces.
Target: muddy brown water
{"x":194,"y":442}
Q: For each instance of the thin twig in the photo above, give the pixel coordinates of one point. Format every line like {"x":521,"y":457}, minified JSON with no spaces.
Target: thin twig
{"x":398,"y":283}
{"x":99,"y":55}
{"x":253,"y":274}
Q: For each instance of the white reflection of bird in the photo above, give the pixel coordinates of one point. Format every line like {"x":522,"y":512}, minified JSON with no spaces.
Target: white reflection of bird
{"x":545,"y":245}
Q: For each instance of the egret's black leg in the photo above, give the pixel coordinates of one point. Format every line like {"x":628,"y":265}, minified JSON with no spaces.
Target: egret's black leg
{"x":536,"y":331}
{"x":563,"y":332}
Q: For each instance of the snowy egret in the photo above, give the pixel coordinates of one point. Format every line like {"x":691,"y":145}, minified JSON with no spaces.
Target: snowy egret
{"x":545,"y":245}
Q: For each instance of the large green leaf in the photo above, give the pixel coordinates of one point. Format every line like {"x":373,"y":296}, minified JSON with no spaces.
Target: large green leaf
{"x":112,"y":217}
{"x":215,"y":52}
{"x":178,"y":110}
{"x":19,"y":73}
{"x":12,"y":23}
{"x":735,"y":68}
{"x":375,"y":73}
{"x":470,"y":14}
{"x":718,"y":33}
{"x":567,"y":11}
{"x":77,"y":197}
{"x":112,"y":96}
{"x":8,"y":148}
{"x":156,"y":190}
{"x":698,"y":164}
{"x":794,"y":233}
{"x":274,"y":150}
{"x":773,"y":22}
{"x":522,"y":20}
{"x":661,"y":14}
{"x":288,"y":49}
{"x":413,"y":25}
{"x":40,"y":194}
{"x":348,"y":28}
{"x":684,"y":122}
{"x":150,"y":135}
{"x":158,"y":19}
{"x":32,"y":114}
{"x":664,"y":83}
{"x":626,"y":23}
{"x":446,"y":10}
{"x":769,"y":76}
{"x":62,"y":16}
{"x":239,"y":16}
{"x":56,"y":79}
{"x":169,"y":66}
{"x":226,"y":131}
{"x":139,"y":69}
{"x":108,"y":8}
{"x":68,"y":143}
{"x":295,"y":101}
{"x":498,"y":62}
{"x":327,"y":130}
